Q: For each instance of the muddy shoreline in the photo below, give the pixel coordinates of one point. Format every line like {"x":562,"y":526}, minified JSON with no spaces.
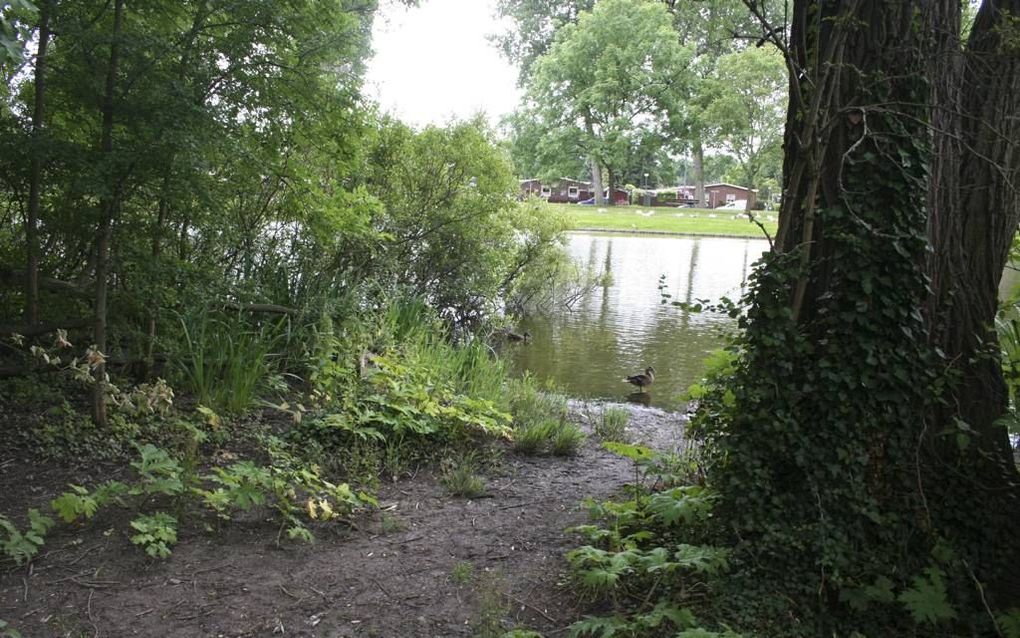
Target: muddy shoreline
{"x":424,"y":564}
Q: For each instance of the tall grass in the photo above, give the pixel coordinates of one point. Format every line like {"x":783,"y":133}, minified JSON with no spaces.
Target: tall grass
{"x":540,"y":420}
{"x":471,"y":368}
{"x":612,"y":424}
{"x":226,"y":360}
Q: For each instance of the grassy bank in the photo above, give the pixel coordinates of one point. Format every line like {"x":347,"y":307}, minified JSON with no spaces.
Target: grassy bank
{"x":683,"y":221}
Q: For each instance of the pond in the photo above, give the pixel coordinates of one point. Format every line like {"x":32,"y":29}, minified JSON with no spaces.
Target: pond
{"x":621,"y":328}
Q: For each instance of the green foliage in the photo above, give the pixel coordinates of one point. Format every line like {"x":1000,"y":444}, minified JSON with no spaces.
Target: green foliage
{"x":15,"y":17}
{"x":158,"y":473}
{"x":744,"y":108}
{"x":157,"y":533}
{"x":1009,"y":623}
{"x":297,"y":491}
{"x":407,"y":399}
{"x":521,"y":633}
{"x":22,"y":546}
{"x":596,"y":78}
{"x":80,"y":503}
{"x":532,"y":438}
{"x":637,"y":453}
{"x":540,"y":420}
{"x":6,"y":631}
{"x":926,"y":599}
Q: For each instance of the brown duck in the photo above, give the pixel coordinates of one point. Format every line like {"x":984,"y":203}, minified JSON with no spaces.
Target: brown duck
{"x":513,"y":336}
{"x":642,"y":380}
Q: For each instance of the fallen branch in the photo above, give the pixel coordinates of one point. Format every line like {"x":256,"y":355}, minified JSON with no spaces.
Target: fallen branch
{"x":12,"y":277}
{"x":260,"y":307}
{"x":44,"y":328}
{"x":10,"y":372}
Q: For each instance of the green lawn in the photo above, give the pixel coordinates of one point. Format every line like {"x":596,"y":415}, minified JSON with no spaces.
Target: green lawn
{"x":684,"y":221}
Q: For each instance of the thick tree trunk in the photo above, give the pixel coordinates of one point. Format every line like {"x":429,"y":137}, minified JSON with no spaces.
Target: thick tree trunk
{"x":974,"y":212}
{"x":107,"y":209}
{"x":596,"y":181}
{"x":699,"y":172}
{"x":35,"y":169}
{"x":982,"y":222}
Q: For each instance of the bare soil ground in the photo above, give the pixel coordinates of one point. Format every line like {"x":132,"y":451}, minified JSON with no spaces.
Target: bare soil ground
{"x":425,"y":564}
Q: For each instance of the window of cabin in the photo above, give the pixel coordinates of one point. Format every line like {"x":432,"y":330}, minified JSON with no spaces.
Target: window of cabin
{"x":730,"y":197}
{"x":547,"y":191}
{"x":572,"y":191}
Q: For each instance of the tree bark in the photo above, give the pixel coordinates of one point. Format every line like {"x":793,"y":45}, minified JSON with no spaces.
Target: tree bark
{"x":596,"y":181}
{"x":35,"y":169}
{"x":974,"y":212}
{"x":107,"y":207}
{"x":974,"y":223}
{"x":699,"y":172}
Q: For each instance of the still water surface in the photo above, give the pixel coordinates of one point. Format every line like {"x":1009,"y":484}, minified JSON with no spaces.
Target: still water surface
{"x":622,"y":328}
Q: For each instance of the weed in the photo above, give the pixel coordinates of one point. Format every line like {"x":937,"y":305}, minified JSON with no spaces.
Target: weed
{"x":492,"y":607}
{"x":462,"y":573}
{"x":532,"y":438}
{"x":462,"y":481}
{"x":391,"y":524}
{"x":560,"y":438}
{"x":22,"y":546}
{"x":6,"y":631}
{"x":566,"y":439}
{"x":612,"y":425}
{"x":529,"y":405}
{"x":156,"y":533}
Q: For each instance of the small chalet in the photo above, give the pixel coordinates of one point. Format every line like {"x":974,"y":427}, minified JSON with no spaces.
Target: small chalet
{"x":567,"y":191}
{"x":722,"y":194}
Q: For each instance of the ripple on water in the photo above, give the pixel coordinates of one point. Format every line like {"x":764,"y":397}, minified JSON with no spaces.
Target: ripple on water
{"x":622,"y":328}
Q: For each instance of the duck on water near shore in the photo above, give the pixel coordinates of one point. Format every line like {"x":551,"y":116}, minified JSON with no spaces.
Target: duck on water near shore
{"x":642,"y":380}
{"x":513,"y":336}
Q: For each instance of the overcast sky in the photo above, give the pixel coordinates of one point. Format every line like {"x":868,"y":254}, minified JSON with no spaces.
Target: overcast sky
{"x":434,"y":62}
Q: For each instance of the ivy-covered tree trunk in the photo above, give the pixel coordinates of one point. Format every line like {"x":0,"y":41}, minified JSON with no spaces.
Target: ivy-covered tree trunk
{"x":107,"y":209}
{"x":817,"y":442}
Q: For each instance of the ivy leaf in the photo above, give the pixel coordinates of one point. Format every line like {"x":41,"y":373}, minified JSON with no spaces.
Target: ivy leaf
{"x":926,"y":599}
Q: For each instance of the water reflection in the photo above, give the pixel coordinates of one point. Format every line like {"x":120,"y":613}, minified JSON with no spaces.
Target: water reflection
{"x":622,"y":328}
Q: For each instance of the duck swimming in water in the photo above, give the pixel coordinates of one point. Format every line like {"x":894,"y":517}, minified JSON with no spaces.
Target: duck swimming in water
{"x":513,"y":336}
{"x":642,"y":380}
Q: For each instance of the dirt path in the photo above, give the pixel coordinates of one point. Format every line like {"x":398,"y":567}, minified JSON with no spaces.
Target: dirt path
{"x":426,"y":564}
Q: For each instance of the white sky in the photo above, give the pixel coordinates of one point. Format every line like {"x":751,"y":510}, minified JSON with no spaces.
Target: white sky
{"x":434,"y":63}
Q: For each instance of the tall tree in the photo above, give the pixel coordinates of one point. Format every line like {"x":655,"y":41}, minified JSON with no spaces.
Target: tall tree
{"x":746,"y":100}
{"x":108,"y":206}
{"x":534,"y":26}
{"x":613,"y":78}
